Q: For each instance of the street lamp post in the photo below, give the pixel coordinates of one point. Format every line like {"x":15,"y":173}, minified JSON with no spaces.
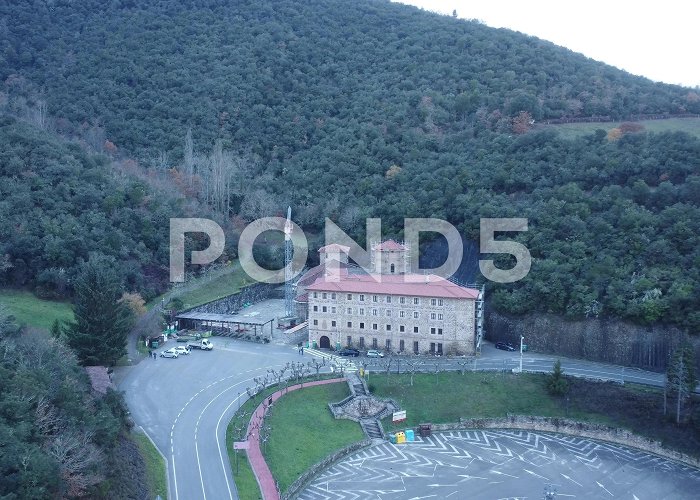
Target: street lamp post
{"x":521,"y":353}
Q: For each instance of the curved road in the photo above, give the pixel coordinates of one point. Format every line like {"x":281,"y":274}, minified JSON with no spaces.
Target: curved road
{"x":185,"y":404}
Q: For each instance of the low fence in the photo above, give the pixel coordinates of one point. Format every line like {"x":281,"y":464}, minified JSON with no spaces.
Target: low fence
{"x":247,"y":295}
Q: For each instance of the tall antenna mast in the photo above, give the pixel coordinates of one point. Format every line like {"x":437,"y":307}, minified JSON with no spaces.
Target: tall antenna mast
{"x":288,"y":276}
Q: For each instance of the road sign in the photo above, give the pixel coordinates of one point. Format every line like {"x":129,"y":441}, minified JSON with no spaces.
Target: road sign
{"x":398,"y":416}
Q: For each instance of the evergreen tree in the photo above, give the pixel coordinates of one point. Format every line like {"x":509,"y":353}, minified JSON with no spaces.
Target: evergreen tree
{"x":557,"y":384}
{"x":98,"y":333}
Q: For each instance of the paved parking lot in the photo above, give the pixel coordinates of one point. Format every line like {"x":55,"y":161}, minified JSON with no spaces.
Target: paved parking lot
{"x":503,"y":465}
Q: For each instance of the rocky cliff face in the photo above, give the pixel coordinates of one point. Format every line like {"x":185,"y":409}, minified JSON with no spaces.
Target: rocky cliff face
{"x":606,"y":340}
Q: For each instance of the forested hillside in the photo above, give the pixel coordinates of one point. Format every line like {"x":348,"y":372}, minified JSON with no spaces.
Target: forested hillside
{"x":59,"y":205}
{"x":367,"y":108}
{"x":59,"y":439}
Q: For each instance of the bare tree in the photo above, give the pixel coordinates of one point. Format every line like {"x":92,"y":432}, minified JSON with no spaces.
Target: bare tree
{"x":413,"y":365}
{"x":188,"y":160}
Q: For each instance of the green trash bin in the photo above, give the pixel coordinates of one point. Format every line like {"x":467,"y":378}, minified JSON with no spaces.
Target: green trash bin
{"x":155,"y":344}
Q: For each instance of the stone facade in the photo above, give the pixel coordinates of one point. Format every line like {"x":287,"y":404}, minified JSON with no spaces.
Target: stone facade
{"x":392,"y":323}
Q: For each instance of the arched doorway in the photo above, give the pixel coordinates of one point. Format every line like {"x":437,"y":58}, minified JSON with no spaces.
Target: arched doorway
{"x":324,"y":342}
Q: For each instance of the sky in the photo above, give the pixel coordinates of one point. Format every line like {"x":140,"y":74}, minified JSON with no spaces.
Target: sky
{"x":656,"y":39}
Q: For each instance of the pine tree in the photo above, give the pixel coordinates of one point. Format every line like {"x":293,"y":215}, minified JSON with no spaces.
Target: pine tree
{"x":99,"y":332}
{"x":557,"y":384}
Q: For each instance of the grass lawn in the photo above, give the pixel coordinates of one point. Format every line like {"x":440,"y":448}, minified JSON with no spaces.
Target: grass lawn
{"x":215,"y":285}
{"x":32,"y":311}
{"x":573,"y":130}
{"x":304,"y":431}
{"x":482,"y":394}
{"x":155,"y":465}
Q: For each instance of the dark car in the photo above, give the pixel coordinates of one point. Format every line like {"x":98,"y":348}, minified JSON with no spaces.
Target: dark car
{"x":504,"y":346}
{"x":348,"y":352}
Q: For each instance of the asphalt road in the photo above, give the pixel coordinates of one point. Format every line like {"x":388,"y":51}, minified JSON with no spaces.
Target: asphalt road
{"x":510,"y":464}
{"x":185,"y":405}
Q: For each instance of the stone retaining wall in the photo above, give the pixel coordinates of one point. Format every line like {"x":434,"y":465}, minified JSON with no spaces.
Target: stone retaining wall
{"x":249,"y":294}
{"x":316,"y":469}
{"x":565,"y":426}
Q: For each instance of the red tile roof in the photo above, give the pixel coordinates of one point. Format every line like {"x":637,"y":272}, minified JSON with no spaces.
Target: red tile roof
{"x":417,"y":285}
{"x":390,"y":246}
{"x":303,"y":298}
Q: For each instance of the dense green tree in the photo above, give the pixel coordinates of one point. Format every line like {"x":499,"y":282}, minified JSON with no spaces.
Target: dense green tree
{"x":557,"y":384}
{"x":102,"y":321}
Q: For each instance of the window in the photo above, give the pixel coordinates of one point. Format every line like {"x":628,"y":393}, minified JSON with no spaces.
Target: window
{"x":432,"y":330}
{"x":349,"y":296}
{"x":362,"y":298}
{"x":415,"y":329}
{"x":439,"y":331}
{"x":374,"y":312}
{"x":433,"y":302}
{"x":415,"y":347}
{"x":315,"y":308}
{"x":415,"y":315}
{"x":374,"y":326}
{"x":362,"y":342}
{"x":324,"y":295}
{"x":362,"y":310}
{"x":402,"y":300}
{"x":333,"y":296}
{"x":349,"y":324}
{"x":349,"y":340}
{"x":388,"y":299}
{"x":402,"y":346}
{"x":349,"y":310}
{"x":333,"y":323}
{"x":440,"y":302}
{"x":433,"y":315}
{"x":402,"y":314}
{"x":333,"y":309}
{"x":388,"y":313}
{"x":375,"y":298}
{"x":362,"y":326}
{"x":315,"y":295}
{"x":388,"y":328}
{"x":432,"y":348}
{"x":388,"y":344}
{"x":315,"y":322}
{"x":402,"y":328}
{"x":440,"y":316}
{"x":439,"y":348}
{"x":393,"y":269}
{"x":374,"y":343}
{"x":324,"y":309}
{"x":416,"y":301}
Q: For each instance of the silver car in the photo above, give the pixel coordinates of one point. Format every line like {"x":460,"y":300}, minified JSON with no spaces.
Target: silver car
{"x":373,"y":353}
{"x":169,"y":353}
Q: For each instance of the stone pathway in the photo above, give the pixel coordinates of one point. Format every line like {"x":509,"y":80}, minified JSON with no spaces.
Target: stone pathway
{"x":267,"y":484}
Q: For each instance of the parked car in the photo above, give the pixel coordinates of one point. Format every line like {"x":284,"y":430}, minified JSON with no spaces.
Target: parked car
{"x":373,"y":353}
{"x":169,"y":353}
{"x":348,"y":352}
{"x":181,"y":349}
{"x":504,"y":346}
{"x":204,"y":344}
